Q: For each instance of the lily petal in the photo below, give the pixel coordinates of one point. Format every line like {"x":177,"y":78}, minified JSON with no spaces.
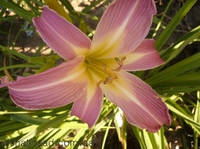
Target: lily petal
{"x":2,"y":85}
{"x":88,"y":107}
{"x":140,"y":103}
{"x":56,"y":87}
{"x":60,"y":35}
{"x":144,"y":57}
{"x":55,"y":5}
{"x":4,"y":81}
{"x":127,"y":21}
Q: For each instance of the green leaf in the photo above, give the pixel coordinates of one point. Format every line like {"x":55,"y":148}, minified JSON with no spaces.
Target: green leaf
{"x":9,"y":126}
{"x":185,"y":80}
{"x":197,"y":119}
{"x":173,"y":23}
{"x":54,"y":123}
{"x":197,"y":111}
{"x":17,"y":9}
{"x":106,"y":134}
{"x":27,"y":119}
{"x":33,"y":9}
{"x":68,"y":5}
{"x":20,"y":66}
{"x":171,"y":52}
{"x":159,"y":23}
{"x":11,"y":52}
{"x":149,"y":140}
{"x":181,"y":67}
{"x":139,"y":135}
{"x":175,"y":108}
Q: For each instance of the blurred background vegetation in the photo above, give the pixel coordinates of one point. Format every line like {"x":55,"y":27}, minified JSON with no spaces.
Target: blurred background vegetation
{"x":176,"y":29}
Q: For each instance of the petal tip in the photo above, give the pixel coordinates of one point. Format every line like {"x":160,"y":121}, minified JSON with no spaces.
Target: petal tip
{"x":2,"y":85}
{"x":154,"y":130}
{"x":154,"y":8}
{"x":168,"y":121}
{"x":47,"y":9}
{"x":35,"y":20}
{"x":88,"y":122}
{"x":4,"y":81}
{"x":160,"y":62}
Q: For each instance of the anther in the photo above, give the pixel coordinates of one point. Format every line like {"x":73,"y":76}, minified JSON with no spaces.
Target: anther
{"x":119,"y":62}
{"x":109,"y":79}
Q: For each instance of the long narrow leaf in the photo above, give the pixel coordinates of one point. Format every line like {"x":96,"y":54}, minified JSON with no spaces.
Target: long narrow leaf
{"x":173,"y":24}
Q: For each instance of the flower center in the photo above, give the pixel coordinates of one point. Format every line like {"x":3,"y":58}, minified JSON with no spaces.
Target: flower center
{"x":104,"y":70}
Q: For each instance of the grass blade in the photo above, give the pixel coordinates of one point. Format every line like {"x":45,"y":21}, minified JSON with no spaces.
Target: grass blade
{"x":174,"y":23}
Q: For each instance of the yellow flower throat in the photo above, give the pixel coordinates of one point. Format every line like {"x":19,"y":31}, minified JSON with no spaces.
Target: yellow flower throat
{"x":104,"y":69}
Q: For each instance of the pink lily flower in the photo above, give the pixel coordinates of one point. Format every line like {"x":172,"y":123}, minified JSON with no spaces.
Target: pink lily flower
{"x":98,"y":67}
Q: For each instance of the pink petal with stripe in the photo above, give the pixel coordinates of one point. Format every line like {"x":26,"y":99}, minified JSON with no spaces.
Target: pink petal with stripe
{"x":88,"y":107}
{"x":4,"y":81}
{"x":127,"y":21}
{"x":56,"y":87}
{"x":63,"y":37}
{"x":144,"y":57}
{"x":140,"y":103}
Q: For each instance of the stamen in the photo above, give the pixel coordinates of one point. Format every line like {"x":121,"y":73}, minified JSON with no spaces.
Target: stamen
{"x":123,"y":58}
{"x":119,"y":62}
{"x":108,"y":80}
{"x":111,"y":76}
{"x":104,"y":70}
